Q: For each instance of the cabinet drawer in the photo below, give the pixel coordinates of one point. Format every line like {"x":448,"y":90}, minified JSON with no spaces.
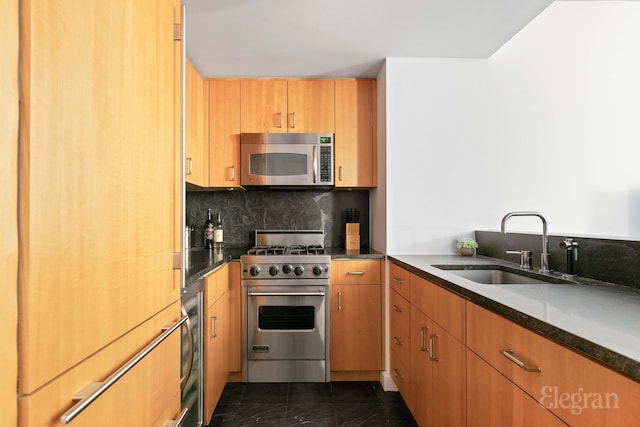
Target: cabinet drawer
{"x":401,"y":373}
{"x":216,"y":284}
{"x":577,"y":389}
{"x":399,"y":280}
{"x":136,"y":399}
{"x":399,"y":320}
{"x":444,"y":307}
{"x":355,"y":272}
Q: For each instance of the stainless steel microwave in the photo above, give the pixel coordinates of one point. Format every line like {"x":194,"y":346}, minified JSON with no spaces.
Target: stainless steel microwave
{"x":286,"y":159}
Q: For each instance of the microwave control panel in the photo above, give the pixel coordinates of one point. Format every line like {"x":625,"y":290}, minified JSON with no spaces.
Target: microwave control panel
{"x":326,"y":162}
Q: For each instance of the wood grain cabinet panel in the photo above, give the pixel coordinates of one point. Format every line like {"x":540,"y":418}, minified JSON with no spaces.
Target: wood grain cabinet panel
{"x":196,"y":128}
{"x":355,"y":144}
{"x":224,"y":133}
{"x":288,"y":105}
{"x":578,"y":390}
{"x":99,"y":209}
{"x":356,"y":316}
{"x":495,"y":401}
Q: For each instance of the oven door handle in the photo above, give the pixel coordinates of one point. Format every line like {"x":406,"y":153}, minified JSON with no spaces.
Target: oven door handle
{"x":286,"y":294}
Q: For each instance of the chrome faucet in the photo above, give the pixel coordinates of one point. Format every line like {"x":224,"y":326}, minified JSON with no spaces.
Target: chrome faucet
{"x":544,"y":256}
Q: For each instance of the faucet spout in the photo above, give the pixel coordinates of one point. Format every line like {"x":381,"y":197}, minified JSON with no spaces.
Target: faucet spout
{"x":544,"y":257}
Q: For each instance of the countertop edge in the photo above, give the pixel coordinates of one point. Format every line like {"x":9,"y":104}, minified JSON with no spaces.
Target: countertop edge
{"x":594,"y":351}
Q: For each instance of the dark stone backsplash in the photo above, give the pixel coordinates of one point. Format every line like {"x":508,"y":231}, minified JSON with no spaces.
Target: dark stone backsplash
{"x":608,"y":260}
{"x":243,"y":212}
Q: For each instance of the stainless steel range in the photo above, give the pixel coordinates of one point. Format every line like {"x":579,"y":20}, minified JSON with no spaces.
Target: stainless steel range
{"x":285,"y":280}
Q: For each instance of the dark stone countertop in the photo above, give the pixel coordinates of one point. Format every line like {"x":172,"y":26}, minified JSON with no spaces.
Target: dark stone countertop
{"x":597,"y":319}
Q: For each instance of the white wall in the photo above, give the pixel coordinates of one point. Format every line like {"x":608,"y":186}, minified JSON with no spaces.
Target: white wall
{"x":550,"y":123}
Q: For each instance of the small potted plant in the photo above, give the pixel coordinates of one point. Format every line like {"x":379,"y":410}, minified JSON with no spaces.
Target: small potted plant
{"x":467,"y":246}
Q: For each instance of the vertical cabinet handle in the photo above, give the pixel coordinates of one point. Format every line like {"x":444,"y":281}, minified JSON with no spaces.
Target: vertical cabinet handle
{"x":214,"y":328}
{"x":293,"y":120}
{"x":433,"y":356}
{"x":189,"y":166}
{"x":339,"y":301}
{"x":280,"y":119}
{"x":178,"y":422}
{"x":233,"y":173}
{"x":340,"y":173}
{"x":423,"y":333}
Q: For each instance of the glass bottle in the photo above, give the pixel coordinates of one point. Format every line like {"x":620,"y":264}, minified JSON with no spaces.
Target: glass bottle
{"x":218,"y":236}
{"x":208,"y":231}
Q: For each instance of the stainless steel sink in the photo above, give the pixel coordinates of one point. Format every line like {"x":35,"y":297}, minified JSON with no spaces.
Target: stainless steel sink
{"x":500,"y":275}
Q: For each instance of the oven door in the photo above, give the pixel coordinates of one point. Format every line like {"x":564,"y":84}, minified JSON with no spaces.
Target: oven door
{"x":286,"y":322}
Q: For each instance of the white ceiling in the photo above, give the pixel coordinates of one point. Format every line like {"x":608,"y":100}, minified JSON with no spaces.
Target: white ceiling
{"x":343,"y":38}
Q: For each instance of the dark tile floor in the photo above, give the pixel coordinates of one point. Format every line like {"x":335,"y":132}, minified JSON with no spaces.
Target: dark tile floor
{"x":323,"y":404}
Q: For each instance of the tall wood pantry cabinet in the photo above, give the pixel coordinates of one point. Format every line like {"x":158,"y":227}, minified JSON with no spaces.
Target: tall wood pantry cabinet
{"x":99,"y":210}
{"x":9,"y":112}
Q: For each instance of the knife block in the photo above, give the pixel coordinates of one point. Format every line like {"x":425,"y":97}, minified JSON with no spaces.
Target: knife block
{"x":353,"y":236}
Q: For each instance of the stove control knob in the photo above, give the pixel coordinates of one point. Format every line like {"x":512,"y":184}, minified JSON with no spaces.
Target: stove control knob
{"x":298,"y":270}
{"x":287,"y":268}
{"x":317,"y":270}
{"x":254,"y":270}
{"x":273,"y":270}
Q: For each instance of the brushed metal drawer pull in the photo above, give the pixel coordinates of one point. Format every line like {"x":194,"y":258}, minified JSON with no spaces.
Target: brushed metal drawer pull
{"x":432,"y":347}
{"x":214,"y":330}
{"x":423,"y":332}
{"x":396,"y":374}
{"x":280,"y":119}
{"x":355,"y":273}
{"x":509,"y":355}
{"x":399,"y":281}
{"x":397,"y":341}
{"x":178,"y":422}
{"x":339,"y":301}
{"x":397,"y":308}
{"x":94,"y":390}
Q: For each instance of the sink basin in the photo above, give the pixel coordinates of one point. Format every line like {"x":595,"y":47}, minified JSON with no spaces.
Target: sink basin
{"x":500,"y":275}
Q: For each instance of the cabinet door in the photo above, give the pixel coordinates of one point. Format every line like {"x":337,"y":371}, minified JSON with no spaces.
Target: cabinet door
{"x":224,"y":133}
{"x":311,"y":105}
{"x":100,"y":181}
{"x":356,"y":328}
{"x":235,"y":318}
{"x":138,"y":398}
{"x":217,"y":328}
{"x":495,"y":401}
{"x":197,"y":142}
{"x":449,"y":379}
{"x":422,"y":404}
{"x":355,"y":144}
{"x":263,"y":105}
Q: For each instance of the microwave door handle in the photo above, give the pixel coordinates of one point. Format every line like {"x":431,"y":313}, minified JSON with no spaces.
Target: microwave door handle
{"x":315,"y":165}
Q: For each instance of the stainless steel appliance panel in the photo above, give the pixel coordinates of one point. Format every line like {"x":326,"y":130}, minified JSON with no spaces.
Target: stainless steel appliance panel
{"x":191,"y":356}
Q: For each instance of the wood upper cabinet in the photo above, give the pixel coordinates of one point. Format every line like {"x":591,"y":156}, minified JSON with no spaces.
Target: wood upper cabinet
{"x":356,"y":316}
{"x":355,"y":143}
{"x":287,"y":105}
{"x":576,"y":389}
{"x":196,"y":123}
{"x":400,"y":344}
{"x":99,"y":208}
{"x":224,"y":132}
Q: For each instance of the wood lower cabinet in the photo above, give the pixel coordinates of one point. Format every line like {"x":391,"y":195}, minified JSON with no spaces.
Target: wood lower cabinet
{"x":576,"y":389}
{"x":400,"y":344}
{"x":355,"y":144}
{"x":438,"y":373}
{"x":222,"y":333}
{"x":196,"y":128}
{"x":288,"y":105}
{"x":493,"y":400}
{"x":356,"y":316}
{"x":224,"y":133}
